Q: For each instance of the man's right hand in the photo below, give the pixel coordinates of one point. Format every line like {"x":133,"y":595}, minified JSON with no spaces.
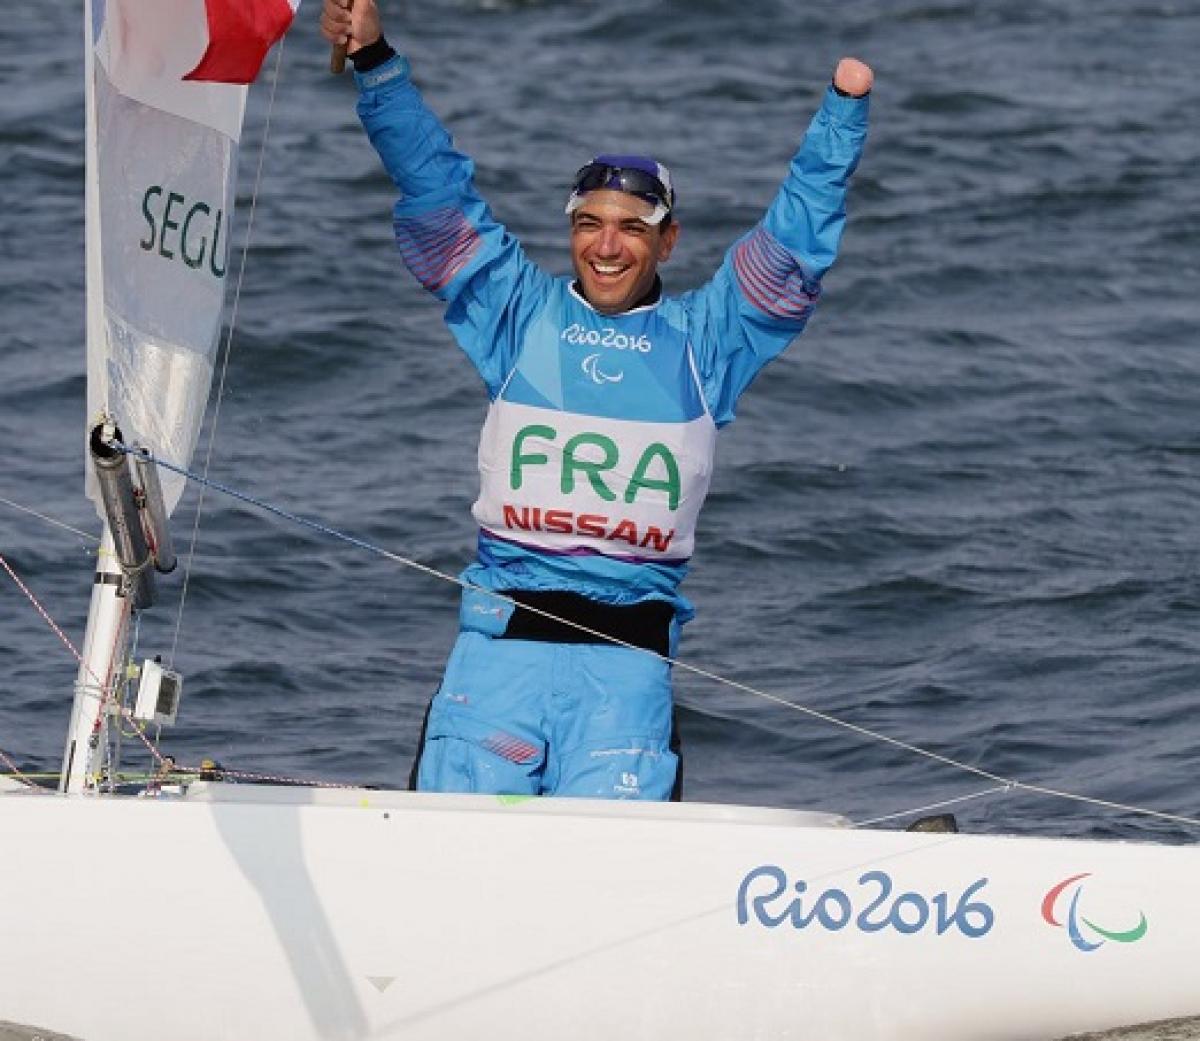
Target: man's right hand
{"x":355,"y":26}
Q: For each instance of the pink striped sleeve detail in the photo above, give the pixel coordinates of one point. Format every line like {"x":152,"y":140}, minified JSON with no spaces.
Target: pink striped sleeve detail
{"x":437,"y":245}
{"x":772,"y":279}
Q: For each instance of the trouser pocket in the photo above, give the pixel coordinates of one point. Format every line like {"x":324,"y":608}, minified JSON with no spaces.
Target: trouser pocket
{"x":464,"y":753}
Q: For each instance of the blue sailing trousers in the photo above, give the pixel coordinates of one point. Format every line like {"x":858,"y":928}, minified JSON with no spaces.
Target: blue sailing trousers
{"x":523,"y":717}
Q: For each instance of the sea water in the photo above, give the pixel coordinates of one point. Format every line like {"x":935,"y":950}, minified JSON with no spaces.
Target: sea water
{"x":960,"y":512}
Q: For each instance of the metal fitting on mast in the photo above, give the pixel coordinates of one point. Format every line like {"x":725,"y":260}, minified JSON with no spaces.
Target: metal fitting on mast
{"x":122,"y":512}
{"x":155,"y":511}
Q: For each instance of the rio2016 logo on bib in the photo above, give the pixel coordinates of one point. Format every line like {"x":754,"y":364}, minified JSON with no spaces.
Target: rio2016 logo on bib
{"x":606,"y":337}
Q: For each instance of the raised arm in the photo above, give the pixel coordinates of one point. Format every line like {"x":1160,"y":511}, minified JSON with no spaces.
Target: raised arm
{"x":765,"y":290}
{"x":445,"y":231}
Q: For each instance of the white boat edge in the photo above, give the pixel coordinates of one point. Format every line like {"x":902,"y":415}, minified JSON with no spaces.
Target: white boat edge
{"x":302,"y":913}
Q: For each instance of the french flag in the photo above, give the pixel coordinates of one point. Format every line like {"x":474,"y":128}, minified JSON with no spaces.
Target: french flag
{"x":240,"y":32}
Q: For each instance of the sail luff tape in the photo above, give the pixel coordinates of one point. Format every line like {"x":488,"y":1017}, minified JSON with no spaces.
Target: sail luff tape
{"x":155,"y":510}
{"x":121,"y":510}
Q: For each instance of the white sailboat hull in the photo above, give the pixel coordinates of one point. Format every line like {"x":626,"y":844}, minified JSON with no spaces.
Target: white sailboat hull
{"x":242,"y":912}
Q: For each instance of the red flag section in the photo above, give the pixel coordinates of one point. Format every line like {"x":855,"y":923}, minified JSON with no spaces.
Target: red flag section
{"x":240,"y":32}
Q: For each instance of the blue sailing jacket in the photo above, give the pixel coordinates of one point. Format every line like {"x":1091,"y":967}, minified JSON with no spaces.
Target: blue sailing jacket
{"x":598,"y":446}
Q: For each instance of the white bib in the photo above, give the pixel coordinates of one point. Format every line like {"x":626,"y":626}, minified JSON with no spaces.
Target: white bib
{"x":568,"y":483}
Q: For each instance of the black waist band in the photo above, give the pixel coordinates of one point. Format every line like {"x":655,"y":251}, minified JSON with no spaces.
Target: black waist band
{"x":646,"y":625}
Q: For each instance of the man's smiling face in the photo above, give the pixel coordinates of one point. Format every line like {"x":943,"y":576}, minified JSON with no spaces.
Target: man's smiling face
{"x":615,"y":253}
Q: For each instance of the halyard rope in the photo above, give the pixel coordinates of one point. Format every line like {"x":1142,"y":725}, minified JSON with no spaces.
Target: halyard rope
{"x":227,"y":350}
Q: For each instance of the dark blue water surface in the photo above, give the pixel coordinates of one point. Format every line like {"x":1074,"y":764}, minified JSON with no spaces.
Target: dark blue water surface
{"x":961,"y":511}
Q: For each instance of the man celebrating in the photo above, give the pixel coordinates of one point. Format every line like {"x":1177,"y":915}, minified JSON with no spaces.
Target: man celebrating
{"x":596,"y":454}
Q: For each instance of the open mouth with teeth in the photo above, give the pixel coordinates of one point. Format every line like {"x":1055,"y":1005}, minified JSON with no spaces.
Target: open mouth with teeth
{"x":608,"y":270}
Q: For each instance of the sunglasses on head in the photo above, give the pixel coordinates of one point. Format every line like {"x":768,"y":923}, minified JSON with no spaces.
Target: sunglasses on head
{"x":598,"y":176}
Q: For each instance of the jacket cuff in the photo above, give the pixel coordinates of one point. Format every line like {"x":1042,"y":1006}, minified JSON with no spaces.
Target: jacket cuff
{"x":394,"y":68}
{"x":845,"y":109}
{"x":372,"y":55}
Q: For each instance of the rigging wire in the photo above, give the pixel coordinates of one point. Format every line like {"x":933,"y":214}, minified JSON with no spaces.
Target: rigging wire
{"x":941,"y":804}
{"x":226,"y":351}
{"x":15,"y":771}
{"x":1002,"y":783}
{"x":50,"y":520}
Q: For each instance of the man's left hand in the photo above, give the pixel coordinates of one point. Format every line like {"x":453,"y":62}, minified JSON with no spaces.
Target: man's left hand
{"x":853,"y":77}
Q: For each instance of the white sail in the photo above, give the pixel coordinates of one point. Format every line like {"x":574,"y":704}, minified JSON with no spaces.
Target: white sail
{"x":164,"y":100}
{"x":162,"y":158}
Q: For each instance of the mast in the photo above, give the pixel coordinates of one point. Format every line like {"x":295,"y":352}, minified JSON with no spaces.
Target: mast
{"x":103,"y":651}
{"x":106,"y":615}
{"x":124,"y":584}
